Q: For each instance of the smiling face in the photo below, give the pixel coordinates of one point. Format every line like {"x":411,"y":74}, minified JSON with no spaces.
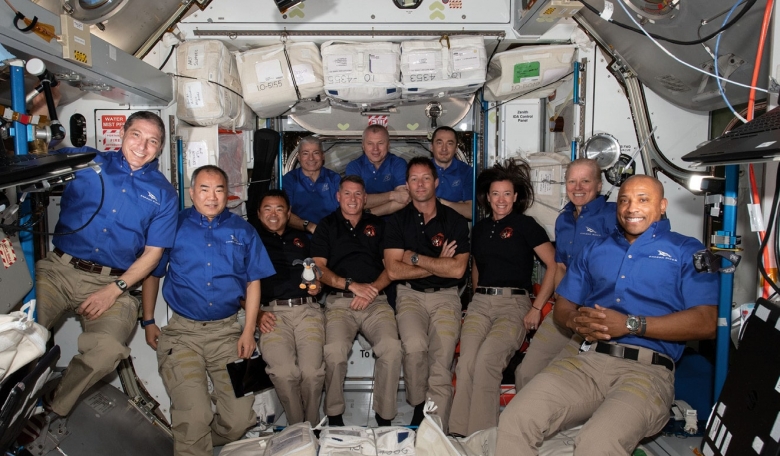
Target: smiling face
{"x":141,"y":142}
{"x":311,"y":158}
{"x":502,"y":197}
{"x":443,"y":146}
{"x":209,"y":194}
{"x":351,"y":198}
{"x":376,"y":144}
{"x":273,"y":214}
{"x":421,"y":183}
{"x":640,"y":203}
{"x":583,"y":185}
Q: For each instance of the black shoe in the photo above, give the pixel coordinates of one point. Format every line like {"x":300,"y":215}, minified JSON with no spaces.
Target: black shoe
{"x":335,"y":420}
{"x":382,"y":422}
{"x":418,"y":416}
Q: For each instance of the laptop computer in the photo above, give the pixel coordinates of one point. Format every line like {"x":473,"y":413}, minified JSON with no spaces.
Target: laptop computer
{"x":755,"y":141}
{"x":23,"y":169}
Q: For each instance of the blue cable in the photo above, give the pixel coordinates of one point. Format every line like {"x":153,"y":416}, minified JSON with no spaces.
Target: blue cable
{"x":717,"y":46}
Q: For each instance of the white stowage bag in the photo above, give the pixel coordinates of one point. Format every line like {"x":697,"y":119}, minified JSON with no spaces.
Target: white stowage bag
{"x":533,"y":71}
{"x":295,"y":440}
{"x":21,"y":341}
{"x":361,"y":73}
{"x":267,"y":82}
{"x":446,"y":67}
{"x":208,"y":87}
{"x":360,"y":441}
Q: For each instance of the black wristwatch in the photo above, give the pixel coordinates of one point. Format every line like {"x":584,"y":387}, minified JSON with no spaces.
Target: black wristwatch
{"x":145,"y":323}
{"x":121,"y":284}
{"x":347,"y":283}
{"x":414,"y":259}
{"x":305,"y":225}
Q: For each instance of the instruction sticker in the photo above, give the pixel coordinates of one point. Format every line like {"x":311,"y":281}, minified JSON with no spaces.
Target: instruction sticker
{"x":195,"y":57}
{"x":268,"y":71}
{"x":422,"y":62}
{"x":197,"y":154}
{"x":543,"y":181}
{"x":7,"y":254}
{"x":467,"y":59}
{"x":340,"y":64}
{"x":381,"y":63}
{"x":193,"y":95}
{"x":526,"y":72}
{"x":304,"y":73}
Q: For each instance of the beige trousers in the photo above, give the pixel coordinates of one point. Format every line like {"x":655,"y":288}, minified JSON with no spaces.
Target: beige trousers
{"x":546,"y":345}
{"x":620,"y":401}
{"x":188,"y":351}
{"x":377,"y":324}
{"x":429,"y":325}
{"x":59,"y":289}
{"x":293,"y":352}
{"x":492,"y":332}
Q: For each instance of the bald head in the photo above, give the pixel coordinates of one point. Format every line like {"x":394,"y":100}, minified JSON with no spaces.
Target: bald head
{"x":641,"y":203}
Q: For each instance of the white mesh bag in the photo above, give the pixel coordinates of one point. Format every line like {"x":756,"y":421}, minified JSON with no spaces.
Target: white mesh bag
{"x":361,"y":73}
{"x":450,"y":66}
{"x":535,"y":71}
{"x":268,"y":85}
{"x":208,"y":87}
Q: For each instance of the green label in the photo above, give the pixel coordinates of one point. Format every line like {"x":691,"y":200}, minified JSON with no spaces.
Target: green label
{"x":526,"y":70}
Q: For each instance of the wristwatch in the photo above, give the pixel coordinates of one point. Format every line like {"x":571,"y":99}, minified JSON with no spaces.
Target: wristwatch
{"x":633,"y":324}
{"x":415,"y":259}
{"x":121,"y":284}
{"x":145,"y":323}
{"x":305,"y":225}
{"x":347,"y":283}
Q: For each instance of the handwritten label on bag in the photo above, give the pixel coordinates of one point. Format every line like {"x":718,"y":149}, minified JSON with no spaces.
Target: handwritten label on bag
{"x":197,"y":154}
{"x":195,"y":57}
{"x":193,"y":95}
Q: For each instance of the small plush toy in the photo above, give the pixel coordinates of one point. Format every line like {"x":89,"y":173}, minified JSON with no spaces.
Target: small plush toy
{"x":310,"y":273}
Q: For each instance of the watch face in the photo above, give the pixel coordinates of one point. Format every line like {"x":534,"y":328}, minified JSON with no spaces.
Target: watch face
{"x":121,"y":284}
{"x":632,"y":323}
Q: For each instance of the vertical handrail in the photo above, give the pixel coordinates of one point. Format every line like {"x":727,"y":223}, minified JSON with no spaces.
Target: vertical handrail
{"x":726,"y":282}
{"x":180,"y":169}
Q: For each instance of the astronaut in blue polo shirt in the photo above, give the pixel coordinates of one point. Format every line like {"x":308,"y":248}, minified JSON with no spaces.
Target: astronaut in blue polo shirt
{"x":456,"y":179}
{"x":111,"y":233}
{"x":636,"y":298}
{"x":216,"y":262}
{"x":311,"y":188}
{"x":383,"y":172}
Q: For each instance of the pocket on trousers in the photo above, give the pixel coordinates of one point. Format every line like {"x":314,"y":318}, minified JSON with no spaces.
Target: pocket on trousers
{"x":167,"y":365}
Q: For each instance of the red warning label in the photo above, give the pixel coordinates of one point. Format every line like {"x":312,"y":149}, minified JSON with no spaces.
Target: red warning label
{"x":112,"y":122}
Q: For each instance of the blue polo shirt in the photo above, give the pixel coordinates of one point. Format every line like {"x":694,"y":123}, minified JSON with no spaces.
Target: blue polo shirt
{"x":312,"y":200}
{"x":139,"y":209}
{"x":210,"y":265}
{"x":654,"y":276}
{"x":596,"y":220}
{"x":391,"y":173}
{"x":456,"y":182}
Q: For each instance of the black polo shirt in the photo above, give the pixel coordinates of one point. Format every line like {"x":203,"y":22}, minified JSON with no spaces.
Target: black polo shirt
{"x":283,"y":250}
{"x":504,"y":250}
{"x":407,"y":230}
{"x":351,"y":252}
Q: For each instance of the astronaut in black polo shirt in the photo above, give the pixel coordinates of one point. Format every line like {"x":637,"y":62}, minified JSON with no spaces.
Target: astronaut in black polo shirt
{"x":347,"y":247}
{"x":427,"y":249}
{"x":291,"y":320}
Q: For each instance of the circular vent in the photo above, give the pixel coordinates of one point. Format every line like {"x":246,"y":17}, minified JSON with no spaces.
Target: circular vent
{"x":94,"y":11}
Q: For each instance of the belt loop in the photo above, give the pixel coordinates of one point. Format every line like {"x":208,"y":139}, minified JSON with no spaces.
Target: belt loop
{"x":105,"y":270}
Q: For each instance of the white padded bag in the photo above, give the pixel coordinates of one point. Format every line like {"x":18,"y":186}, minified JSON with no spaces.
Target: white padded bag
{"x":362,"y":73}
{"x":208,"y":89}
{"x":535,"y":71}
{"x":266,"y":80}
{"x":453,"y":66}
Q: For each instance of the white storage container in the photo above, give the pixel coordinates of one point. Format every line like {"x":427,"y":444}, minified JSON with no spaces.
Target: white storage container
{"x":267,"y":82}
{"x":450,"y":66}
{"x":535,"y":71}
{"x":362,"y":73}
{"x":208,"y":87}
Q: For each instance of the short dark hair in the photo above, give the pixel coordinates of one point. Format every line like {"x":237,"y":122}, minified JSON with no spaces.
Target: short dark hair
{"x":444,"y":128}
{"x":151,"y":117}
{"x":516,"y":171}
{"x":425,"y":161}
{"x":355,"y":179}
{"x":275,"y":193}
{"x":209,"y":169}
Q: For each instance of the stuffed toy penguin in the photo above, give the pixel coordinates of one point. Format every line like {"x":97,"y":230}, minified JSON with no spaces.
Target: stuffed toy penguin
{"x":311,"y":273}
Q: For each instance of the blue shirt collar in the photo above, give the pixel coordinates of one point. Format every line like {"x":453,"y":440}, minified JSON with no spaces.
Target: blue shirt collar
{"x":202,"y":220}
{"x":593,"y":206}
{"x":655,"y":228}
{"x":151,"y":166}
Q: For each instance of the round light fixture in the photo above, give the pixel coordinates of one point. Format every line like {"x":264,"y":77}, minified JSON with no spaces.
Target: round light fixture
{"x":603,"y":148}
{"x":94,"y":11}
